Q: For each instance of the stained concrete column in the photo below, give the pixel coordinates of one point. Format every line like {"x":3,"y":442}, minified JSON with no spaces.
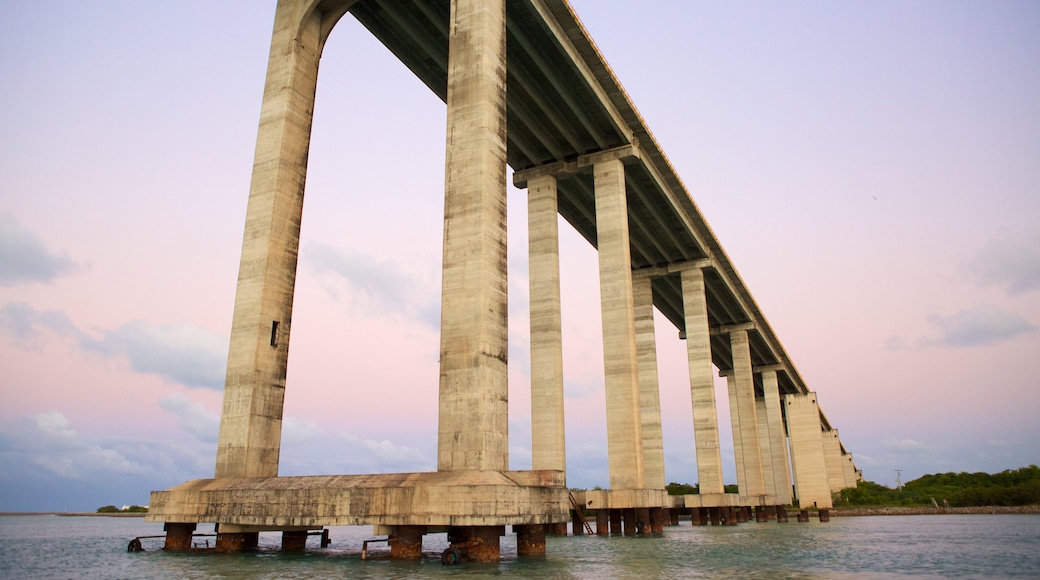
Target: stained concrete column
{"x":702,"y":382}
{"x":805,"y":435}
{"x":832,"y":457}
{"x":473,"y":419}
{"x":406,"y":542}
{"x":649,"y":390}
{"x":744,"y":419}
{"x":251,"y":418}
{"x":624,"y":430}
{"x":294,"y":540}
{"x":768,"y":475}
{"x":848,"y":470}
{"x":547,"y":430}
{"x":178,"y":536}
{"x":530,"y":540}
{"x":779,"y":465}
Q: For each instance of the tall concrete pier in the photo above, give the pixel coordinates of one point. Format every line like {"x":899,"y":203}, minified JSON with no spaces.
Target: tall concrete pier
{"x":523,"y":86}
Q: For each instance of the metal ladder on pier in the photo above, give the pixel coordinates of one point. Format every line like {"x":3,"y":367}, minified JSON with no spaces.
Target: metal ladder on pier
{"x":578,"y":512}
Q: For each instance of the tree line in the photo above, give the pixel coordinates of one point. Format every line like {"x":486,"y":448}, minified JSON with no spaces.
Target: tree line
{"x":1008,"y":488}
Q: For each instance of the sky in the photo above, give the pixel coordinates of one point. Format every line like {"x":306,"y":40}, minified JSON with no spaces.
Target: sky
{"x":871,"y":168}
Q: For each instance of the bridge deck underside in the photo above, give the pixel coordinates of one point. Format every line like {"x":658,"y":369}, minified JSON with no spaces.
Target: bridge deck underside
{"x":564,"y":102}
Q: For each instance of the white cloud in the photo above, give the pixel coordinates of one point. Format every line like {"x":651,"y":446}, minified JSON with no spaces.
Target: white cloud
{"x":25,"y":258}
{"x":1008,"y":261}
{"x":192,"y":417}
{"x":180,"y":353}
{"x":983,"y":324}
{"x":49,"y":442}
{"x":355,"y":454}
{"x":896,"y":445}
{"x":295,"y":432}
{"x":373,"y":284}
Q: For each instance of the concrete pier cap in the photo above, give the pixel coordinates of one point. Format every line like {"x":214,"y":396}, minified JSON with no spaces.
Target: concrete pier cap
{"x":456,"y":498}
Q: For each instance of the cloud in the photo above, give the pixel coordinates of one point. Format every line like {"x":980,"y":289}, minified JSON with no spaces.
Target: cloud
{"x":192,"y":417}
{"x":48,"y":443}
{"x":905,"y":446}
{"x":25,"y":258}
{"x":46,"y":464}
{"x":1010,"y":262}
{"x":383,"y":456}
{"x":384,"y":286}
{"x":180,"y":353}
{"x":984,"y":324}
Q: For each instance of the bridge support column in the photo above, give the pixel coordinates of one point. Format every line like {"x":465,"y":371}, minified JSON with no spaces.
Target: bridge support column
{"x":848,"y":469}
{"x":624,"y":430}
{"x":577,"y":523}
{"x":530,"y":541}
{"x":628,"y":516}
{"x":477,"y":543}
{"x":702,"y":382}
{"x":657,"y":520}
{"x":294,"y":541}
{"x":615,"y":522}
{"x":473,"y":417}
{"x":603,"y":522}
{"x":642,"y":524}
{"x":744,"y":418}
{"x":649,"y":391}
{"x":178,"y":536}
{"x":235,"y":542}
{"x":832,"y":457}
{"x":249,"y":441}
{"x":777,"y":448}
{"x":406,"y":542}
{"x":804,"y":432}
{"x":547,"y":428}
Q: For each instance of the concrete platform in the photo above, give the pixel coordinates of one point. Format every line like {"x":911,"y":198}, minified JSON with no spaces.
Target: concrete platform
{"x":450,"y":498}
{"x":613,"y":499}
{"x":726,"y":500}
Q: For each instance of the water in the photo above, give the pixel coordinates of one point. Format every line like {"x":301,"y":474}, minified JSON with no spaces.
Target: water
{"x":942,"y":546}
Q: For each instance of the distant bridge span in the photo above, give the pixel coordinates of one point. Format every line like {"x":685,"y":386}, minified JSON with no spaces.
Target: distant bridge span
{"x":524,"y":85}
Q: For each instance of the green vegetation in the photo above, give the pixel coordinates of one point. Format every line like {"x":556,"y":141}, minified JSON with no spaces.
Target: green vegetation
{"x":1007,"y":488}
{"x":681,"y":489}
{"x":687,"y":489}
{"x":111,"y":509}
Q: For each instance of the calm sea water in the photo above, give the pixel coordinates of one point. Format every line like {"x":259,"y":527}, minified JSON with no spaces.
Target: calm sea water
{"x":945,"y":546}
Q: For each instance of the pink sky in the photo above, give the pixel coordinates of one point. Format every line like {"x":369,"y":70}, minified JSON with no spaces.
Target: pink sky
{"x":871,"y":169}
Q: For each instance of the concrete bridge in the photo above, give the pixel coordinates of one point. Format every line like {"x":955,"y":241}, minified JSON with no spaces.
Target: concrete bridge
{"x":524,"y":86}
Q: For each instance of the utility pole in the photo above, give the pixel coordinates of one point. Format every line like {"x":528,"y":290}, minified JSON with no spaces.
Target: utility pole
{"x":899,"y":481}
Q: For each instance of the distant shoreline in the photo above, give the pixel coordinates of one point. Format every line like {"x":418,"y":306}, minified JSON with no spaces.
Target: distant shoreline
{"x":77,"y":514}
{"x":922,"y":511}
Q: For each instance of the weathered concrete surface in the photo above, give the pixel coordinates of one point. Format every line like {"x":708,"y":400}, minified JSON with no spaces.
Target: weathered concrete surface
{"x":848,"y":469}
{"x":777,"y":437}
{"x":548,"y":450}
{"x":473,"y":429}
{"x":744,"y":417}
{"x":805,"y":434}
{"x":624,"y":428}
{"x":251,"y":420}
{"x":710,"y":500}
{"x":702,"y":383}
{"x":624,"y":498}
{"x":832,"y":457}
{"x":449,"y":498}
{"x":649,"y":391}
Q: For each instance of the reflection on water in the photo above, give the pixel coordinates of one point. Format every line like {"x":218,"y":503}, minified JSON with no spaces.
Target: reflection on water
{"x":946,"y":546}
